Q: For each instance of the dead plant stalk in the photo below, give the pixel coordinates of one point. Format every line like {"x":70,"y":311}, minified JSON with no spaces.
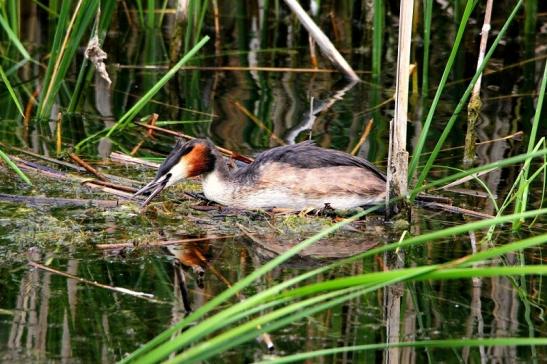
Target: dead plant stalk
{"x":397,"y":171}
{"x":475,"y":104}
{"x":324,"y":43}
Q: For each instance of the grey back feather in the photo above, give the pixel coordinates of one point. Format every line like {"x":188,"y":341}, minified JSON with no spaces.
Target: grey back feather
{"x":306,"y":155}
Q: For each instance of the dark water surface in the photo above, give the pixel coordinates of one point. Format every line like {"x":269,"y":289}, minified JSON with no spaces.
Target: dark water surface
{"x":47,"y":317}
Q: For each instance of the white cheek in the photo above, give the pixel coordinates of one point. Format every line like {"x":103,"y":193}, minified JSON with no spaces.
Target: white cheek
{"x":178,"y":172}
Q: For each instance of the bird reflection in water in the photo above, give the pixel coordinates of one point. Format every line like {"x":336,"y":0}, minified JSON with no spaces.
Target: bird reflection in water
{"x":194,"y":257}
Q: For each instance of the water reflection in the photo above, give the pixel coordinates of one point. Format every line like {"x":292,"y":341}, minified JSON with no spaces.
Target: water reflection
{"x":43,"y":305}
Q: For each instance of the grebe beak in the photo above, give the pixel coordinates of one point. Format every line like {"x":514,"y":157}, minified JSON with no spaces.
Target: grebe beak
{"x":154,"y":188}
{"x":170,"y":172}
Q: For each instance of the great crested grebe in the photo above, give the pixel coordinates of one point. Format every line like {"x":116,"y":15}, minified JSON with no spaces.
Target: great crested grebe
{"x":297,"y":177}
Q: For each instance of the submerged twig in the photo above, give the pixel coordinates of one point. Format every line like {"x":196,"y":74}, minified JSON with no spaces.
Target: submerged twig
{"x":455,"y":209}
{"x":111,"y":185}
{"x":58,"y":175}
{"x":465,"y":179}
{"x":142,"y":295}
{"x":45,"y":158}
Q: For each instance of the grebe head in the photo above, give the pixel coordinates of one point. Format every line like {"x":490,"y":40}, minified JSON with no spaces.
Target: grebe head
{"x":187,"y":159}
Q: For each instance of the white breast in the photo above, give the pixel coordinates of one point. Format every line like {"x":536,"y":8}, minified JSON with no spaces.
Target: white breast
{"x":226,"y":192}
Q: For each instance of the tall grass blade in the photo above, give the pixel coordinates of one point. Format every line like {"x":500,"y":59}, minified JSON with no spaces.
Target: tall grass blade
{"x":377,"y":39}
{"x":14,"y":39}
{"x":13,"y":166}
{"x":11,"y":91}
{"x":66,"y":42}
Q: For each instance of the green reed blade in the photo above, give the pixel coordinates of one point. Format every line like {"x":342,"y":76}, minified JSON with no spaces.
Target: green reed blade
{"x":13,"y":166}
{"x":377,"y":39}
{"x":452,"y":273}
{"x":68,"y":36}
{"x":14,"y":39}
{"x":11,"y":91}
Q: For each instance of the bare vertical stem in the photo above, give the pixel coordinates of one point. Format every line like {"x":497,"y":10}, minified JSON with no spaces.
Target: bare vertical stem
{"x":397,"y":172}
{"x":216,"y":15}
{"x":475,"y":104}
{"x":322,"y":40}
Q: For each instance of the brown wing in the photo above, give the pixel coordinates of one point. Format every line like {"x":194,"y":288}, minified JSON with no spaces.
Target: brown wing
{"x":317,"y":182}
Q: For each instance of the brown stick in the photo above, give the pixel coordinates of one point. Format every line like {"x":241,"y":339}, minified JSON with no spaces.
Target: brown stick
{"x":111,"y":190}
{"x":145,"y":296}
{"x":43,"y":157}
{"x":363,"y":138}
{"x":51,"y":173}
{"x":313,"y":55}
{"x":136,"y":147}
{"x":258,"y":122}
{"x":87,"y":167}
{"x":224,"y":151}
{"x":112,"y":185}
{"x":151,"y":121}
{"x":162,"y":243}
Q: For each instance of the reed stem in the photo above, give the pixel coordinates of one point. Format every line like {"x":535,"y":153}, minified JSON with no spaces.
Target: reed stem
{"x":397,"y":172}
